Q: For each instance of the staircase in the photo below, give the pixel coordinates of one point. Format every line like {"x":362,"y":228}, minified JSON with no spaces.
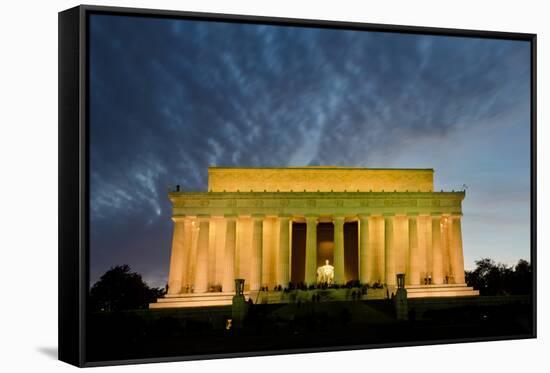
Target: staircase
{"x":445,"y":290}
{"x":195,"y":300}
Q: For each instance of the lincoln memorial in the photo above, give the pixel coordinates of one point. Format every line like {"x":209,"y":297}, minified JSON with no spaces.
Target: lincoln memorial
{"x":287,"y":230}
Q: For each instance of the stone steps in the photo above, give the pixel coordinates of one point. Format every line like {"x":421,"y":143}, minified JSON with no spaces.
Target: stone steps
{"x":327,"y":295}
{"x":195,"y":300}
{"x":271,"y":297}
{"x":445,"y":290}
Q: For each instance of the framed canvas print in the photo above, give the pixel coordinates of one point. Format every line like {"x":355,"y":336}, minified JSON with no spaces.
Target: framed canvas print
{"x":236,"y":186}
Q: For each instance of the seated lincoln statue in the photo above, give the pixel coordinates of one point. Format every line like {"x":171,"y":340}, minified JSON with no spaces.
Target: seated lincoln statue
{"x":325,"y":274}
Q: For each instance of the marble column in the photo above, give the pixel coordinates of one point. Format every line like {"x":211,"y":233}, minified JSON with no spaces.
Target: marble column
{"x":201,"y":272}
{"x":377,"y":242}
{"x":401,"y":243}
{"x":437,"y":254}
{"x":425,"y":247}
{"x":366,"y":257}
{"x":339,"y":274}
{"x":192,"y":263}
{"x":228,"y":284}
{"x":187,"y":243}
{"x":284,"y":251}
{"x":457,"y":254}
{"x":177,"y":257}
{"x":267,"y":252}
{"x":311,"y":250}
{"x":413,"y":268}
{"x":389,"y":250}
{"x":256,"y":262}
{"x":445,"y":247}
{"x":213,"y":227}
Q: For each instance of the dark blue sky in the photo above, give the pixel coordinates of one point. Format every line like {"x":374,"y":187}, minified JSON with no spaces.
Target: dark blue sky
{"x":168,"y":98}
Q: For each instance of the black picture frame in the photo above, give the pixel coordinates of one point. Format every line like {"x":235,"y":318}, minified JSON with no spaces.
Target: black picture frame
{"x":73,"y":165}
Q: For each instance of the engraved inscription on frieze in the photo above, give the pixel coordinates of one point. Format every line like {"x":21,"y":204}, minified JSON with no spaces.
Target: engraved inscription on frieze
{"x":399,"y":202}
{"x":424,"y":203}
{"x":451,"y":203}
{"x":257,"y":203}
{"x":376,"y":203}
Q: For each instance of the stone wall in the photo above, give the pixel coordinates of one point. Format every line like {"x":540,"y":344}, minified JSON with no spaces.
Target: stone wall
{"x":324,"y":179}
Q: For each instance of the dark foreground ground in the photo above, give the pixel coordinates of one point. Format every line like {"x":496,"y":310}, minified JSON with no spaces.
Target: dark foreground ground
{"x":179,"y":332}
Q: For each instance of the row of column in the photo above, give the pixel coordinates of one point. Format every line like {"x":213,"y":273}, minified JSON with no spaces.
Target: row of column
{"x":427,"y":248}
{"x":432,"y":254}
{"x":433,"y":263}
{"x":193,"y":257}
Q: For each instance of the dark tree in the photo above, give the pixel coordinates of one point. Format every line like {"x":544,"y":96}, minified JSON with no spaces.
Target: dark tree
{"x":523,"y":277}
{"x":121,"y":289}
{"x":498,"y":279}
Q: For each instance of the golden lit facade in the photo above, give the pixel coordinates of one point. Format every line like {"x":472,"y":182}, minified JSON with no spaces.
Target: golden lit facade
{"x":275,"y":226}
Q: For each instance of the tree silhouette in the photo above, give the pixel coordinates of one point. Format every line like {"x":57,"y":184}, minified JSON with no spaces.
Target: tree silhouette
{"x":498,"y":279}
{"x":523,"y":277}
{"x":121,"y":289}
